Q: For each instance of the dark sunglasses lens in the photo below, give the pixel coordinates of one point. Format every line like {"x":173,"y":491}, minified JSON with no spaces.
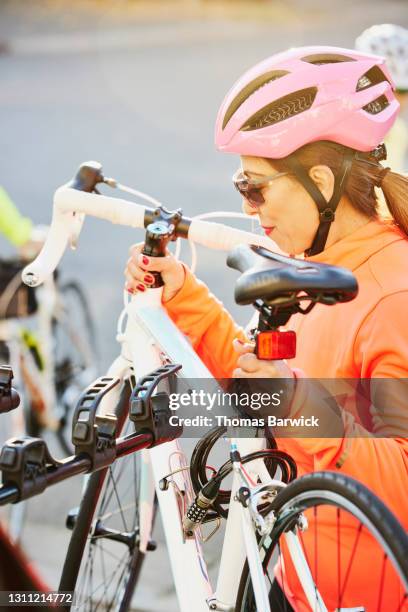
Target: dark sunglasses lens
{"x":255,"y":196}
{"x":252,"y":194}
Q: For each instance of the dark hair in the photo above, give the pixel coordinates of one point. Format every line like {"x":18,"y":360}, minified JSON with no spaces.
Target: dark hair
{"x":365,"y":175}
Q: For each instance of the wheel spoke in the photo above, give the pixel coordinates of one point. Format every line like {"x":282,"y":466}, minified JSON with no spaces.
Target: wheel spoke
{"x":360,"y":528}
{"x":315,"y":543}
{"x":116,"y":512}
{"x":338,"y":558}
{"x":136,"y":491}
{"x":382,"y":579}
{"x":404,"y":599}
{"x":119,"y":583}
{"x":280,"y":558}
{"x":120,"y":507}
{"x":105,"y":586}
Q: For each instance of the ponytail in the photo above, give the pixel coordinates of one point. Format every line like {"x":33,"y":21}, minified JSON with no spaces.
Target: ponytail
{"x":395,"y":189}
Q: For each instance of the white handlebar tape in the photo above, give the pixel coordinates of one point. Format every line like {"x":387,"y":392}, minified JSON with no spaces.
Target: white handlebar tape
{"x":51,"y":253}
{"x":115,"y":210}
{"x":70,"y":204}
{"x":224,"y":238}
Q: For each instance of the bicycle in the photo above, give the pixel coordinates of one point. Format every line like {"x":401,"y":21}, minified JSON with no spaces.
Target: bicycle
{"x":15,"y":571}
{"x":265,"y":514}
{"x":48,"y":337}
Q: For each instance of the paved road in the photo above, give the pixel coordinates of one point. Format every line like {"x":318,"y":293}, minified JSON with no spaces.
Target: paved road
{"x":142,"y":99}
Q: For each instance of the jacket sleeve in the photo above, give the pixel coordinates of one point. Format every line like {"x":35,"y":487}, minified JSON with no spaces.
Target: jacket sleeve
{"x":206,"y":323}
{"x":15,"y":227}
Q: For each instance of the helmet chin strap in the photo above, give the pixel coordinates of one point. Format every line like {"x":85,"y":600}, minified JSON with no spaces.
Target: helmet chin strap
{"x":326,"y":209}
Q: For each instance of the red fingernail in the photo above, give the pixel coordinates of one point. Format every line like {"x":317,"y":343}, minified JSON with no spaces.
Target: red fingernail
{"x":145,"y":260}
{"x":148,"y":278}
{"x":140,"y":287}
{"x":130,"y":290}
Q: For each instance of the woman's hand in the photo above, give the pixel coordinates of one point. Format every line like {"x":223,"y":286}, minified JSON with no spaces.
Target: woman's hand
{"x":249,"y":366}
{"x":138,"y":267}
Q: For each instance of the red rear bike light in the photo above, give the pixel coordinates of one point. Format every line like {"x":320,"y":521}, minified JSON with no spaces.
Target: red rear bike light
{"x":276,"y":345}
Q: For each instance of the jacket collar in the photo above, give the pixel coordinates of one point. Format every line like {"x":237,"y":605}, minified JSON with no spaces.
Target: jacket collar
{"x":353,"y":250}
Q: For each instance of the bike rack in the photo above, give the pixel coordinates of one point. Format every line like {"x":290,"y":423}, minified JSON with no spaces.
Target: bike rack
{"x":9,"y":398}
{"x":27,"y":465}
{"x":152,"y":412}
{"x":95,"y":434}
{"x":24,"y":463}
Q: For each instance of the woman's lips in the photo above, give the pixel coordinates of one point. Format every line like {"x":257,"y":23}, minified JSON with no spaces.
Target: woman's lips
{"x":268,"y":230}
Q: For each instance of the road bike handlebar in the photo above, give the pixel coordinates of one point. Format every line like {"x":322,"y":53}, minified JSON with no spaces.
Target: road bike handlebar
{"x":71,"y":205}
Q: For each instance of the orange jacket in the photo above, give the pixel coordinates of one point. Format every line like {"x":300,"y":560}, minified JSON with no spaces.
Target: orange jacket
{"x":365,"y":338}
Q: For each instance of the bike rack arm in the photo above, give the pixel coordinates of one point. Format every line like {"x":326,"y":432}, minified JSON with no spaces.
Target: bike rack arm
{"x":28,"y":467}
{"x":150,"y":411}
{"x":31,"y":478}
{"x":94,"y":434}
{"x":9,"y":398}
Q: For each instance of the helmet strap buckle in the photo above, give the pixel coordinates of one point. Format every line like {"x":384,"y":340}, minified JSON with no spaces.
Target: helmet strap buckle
{"x":327,"y":215}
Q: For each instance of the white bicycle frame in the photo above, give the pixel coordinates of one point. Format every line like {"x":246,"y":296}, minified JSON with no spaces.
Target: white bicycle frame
{"x":149,"y":340}
{"x":49,"y":308}
{"x":149,"y":326}
{"x":20,"y":356}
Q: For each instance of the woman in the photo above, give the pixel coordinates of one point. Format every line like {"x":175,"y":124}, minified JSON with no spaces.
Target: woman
{"x":308,"y":124}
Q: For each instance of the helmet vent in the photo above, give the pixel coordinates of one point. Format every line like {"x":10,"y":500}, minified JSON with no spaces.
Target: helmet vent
{"x":250,"y":89}
{"x":372,"y":77}
{"x":318,"y":59}
{"x":281,"y":109}
{"x":376,"y":106}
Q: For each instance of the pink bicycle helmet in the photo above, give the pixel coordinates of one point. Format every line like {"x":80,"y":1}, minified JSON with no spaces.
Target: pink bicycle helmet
{"x":304,"y":95}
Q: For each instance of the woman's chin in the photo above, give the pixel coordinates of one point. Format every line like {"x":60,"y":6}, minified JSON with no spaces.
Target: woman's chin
{"x":274,"y":237}
{"x":284,"y":246}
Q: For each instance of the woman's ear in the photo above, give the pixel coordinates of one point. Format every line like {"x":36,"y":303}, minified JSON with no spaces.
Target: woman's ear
{"x":324,"y":179}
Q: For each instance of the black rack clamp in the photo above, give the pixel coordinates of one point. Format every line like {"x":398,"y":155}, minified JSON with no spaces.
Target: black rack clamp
{"x":9,"y":398}
{"x":95,"y":434}
{"x":152,"y":412}
{"x":24,"y":463}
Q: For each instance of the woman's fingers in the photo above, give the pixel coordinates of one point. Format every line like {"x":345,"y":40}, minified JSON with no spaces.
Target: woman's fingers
{"x":138,"y":274}
{"x":243,"y":347}
{"x":240,"y":373}
{"x":249,"y":363}
{"x":155,"y":264}
{"x":140,"y":267}
{"x":133,"y":285}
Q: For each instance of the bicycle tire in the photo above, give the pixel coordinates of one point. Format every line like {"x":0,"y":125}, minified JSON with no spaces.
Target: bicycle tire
{"x":344,"y":494}
{"x":76,"y":361}
{"x":86,"y":524}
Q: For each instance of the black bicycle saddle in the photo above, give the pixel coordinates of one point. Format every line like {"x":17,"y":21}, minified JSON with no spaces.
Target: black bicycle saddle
{"x":279,"y":280}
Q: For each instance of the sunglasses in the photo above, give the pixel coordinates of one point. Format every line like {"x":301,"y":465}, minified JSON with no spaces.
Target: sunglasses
{"x":251,"y":188}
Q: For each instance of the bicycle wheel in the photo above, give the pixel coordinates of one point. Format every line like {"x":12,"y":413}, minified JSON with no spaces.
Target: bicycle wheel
{"x":76,"y":355}
{"x":354,"y":547}
{"x":103,"y":560}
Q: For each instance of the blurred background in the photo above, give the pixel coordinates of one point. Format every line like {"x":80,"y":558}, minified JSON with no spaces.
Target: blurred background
{"x":136,"y":85}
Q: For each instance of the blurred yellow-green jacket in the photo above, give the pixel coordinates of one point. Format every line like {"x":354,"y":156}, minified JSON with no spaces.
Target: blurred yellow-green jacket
{"x":15,"y":227}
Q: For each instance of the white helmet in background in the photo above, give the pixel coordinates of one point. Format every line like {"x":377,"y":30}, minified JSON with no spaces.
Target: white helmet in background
{"x":391,"y":42}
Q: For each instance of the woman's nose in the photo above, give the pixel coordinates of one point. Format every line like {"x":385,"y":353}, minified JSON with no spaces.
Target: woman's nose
{"x":247,"y":209}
